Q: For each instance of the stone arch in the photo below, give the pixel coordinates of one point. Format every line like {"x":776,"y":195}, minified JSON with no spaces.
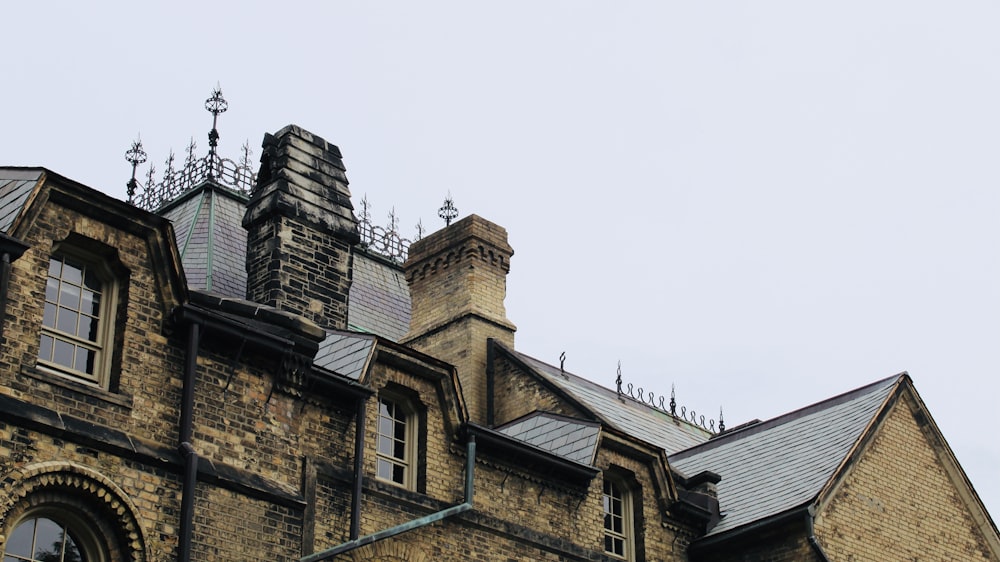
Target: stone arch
{"x":68,"y":484}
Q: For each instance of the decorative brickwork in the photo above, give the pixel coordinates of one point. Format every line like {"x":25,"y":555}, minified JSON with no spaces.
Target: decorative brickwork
{"x":458,"y":282}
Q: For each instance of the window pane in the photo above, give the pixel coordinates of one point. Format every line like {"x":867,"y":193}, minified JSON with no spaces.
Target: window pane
{"x":384,"y":470}
{"x":91,"y":281}
{"x":66,"y":321}
{"x":84,"y":360}
{"x":45,"y":349}
{"x":91,"y":303}
{"x":87,"y":328}
{"x":50,"y":316}
{"x":400,"y":450}
{"x":55,"y":267}
{"x":48,"y":537}
{"x":399,"y":474}
{"x":69,"y":296}
{"x":384,"y":426}
{"x":51,"y":289}
{"x":63,"y":353}
{"x":72,"y":272}
{"x":384,"y":445}
{"x":19,"y":542}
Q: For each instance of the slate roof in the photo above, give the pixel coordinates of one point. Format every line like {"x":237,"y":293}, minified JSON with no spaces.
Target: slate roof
{"x":16,"y":185}
{"x":345,"y":354}
{"x":774,"y":466}
{"x":623,"y":412}
{"x":572,"y":439}
{"x":211,"y":239}
{"x":379,"y":300}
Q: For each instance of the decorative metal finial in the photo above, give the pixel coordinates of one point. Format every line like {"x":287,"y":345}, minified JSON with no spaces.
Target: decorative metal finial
{"x":722,"y":422}
{"x":618,"y":381}
{"x":135,"y":156}
{"x":673,"y":401}
{"x":215,"y":105}
{"x":420,"y":229}
{"x":448,"y":211}
{"x":562,"y":362}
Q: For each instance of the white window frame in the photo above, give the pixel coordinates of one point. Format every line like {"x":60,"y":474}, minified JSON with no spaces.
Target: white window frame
{"x":102,"y":345}
{"x":396,"y":448}
{"x":616,"y":494}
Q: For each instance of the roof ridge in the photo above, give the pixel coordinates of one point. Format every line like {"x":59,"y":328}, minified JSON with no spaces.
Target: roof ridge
{"x":753,"y":429}
{"x":613,"y":392}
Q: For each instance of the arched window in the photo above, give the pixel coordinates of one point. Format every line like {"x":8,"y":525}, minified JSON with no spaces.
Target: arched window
{"x":50,"y":535}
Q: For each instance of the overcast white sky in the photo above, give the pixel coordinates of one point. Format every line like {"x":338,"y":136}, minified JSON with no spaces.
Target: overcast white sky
{"x":765,"y":204}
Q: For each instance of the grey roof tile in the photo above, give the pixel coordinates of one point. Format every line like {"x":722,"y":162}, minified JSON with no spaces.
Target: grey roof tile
{"x":208,"y":224}
{"x":572,"y":439}
{"x":16,"y":185}
{"x":345,"y":354}
{"x":774,"y":466}
{"x":622,"y":412}
{"x":379,"y":301}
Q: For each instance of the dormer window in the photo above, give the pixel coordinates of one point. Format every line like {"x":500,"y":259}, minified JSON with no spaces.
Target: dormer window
{"x":78,"y":321}
{"x":397,"y":442}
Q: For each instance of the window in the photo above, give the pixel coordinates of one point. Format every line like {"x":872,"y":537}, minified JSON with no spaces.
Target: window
{"x":618,"y":530}
{"x":397,"y":437}
{"x":51,"y":536}
{"x":77,"y":324}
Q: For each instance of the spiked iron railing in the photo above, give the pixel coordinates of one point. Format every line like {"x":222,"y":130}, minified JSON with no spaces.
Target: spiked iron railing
{"x":659,"y":403}
{"x":239,"y":177}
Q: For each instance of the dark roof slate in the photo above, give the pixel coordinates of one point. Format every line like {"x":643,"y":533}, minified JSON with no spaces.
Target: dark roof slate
{"x":774,"y":466}
{"x":379,"y":300}
{"x":211,"y":239}
{"x":16,"y":185}
{"x":345,"y":354}
{"x":572,"y":439}
{"x":623,"y":412}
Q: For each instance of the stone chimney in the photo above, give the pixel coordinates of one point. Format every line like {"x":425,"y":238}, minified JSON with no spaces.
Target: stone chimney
{"x":300,"y":229}
{"x":458,"y":281}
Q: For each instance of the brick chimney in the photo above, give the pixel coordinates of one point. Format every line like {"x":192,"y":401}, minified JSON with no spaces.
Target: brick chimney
{"x":300,"y":228}
{"x":458,"y":281}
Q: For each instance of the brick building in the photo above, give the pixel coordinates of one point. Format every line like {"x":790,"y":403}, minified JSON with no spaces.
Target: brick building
{"x":228,"y":368}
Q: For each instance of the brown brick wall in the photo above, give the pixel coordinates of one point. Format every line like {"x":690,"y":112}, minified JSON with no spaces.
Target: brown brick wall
{"x":898,"y":504}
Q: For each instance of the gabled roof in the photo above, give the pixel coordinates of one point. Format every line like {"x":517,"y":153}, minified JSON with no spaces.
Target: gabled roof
{"x":572,"y":439}
{"x":621,"y":412}
{"x":775,"y":466}
{"x":16,"y":185}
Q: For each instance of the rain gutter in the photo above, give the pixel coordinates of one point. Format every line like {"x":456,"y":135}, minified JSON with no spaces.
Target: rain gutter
{"x":470,"y":465}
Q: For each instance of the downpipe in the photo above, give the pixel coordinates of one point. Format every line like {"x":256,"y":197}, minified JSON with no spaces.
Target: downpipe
{"x":185,"y":448}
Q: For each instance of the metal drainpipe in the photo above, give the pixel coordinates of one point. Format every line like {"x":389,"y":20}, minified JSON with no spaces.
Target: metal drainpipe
{"x":470,"y":466}
{"x":4,"y":283}
{"x":359,"y":451}
{"x":813,"y":541}
{"x":185,"y":448}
